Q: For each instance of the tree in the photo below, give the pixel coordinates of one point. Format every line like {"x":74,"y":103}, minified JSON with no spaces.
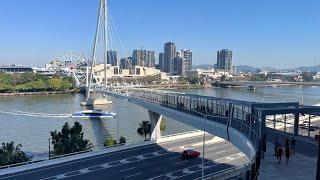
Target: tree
{"x":10,"y":154}
{"x":122,"y":140}
{"x":69,"y":140}
{"x":182,"y":80}
{"x":193,"y":80}
{"x":223,"y":78}
{"x":163,"y":125}
{"x":54,"y":83}
{"x":110,"y":142}
{"x":144,"y":129}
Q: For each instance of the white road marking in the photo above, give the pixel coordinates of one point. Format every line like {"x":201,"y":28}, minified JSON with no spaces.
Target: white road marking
{"x":122,"y":162}
{"x":220,"y":160}
{"x":187,"y":171}
{"x":174,"y":158}
{"x":97,"y":157}
{"x":84,"y":171}
{"x":123,"y":170}
{"x":133,"y":175}
{"x":180,"y":162}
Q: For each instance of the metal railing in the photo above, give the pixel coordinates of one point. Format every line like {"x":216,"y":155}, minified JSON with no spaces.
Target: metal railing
{"x":199,"y":108}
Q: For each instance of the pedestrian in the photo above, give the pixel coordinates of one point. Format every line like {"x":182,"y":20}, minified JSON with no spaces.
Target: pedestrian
{"x":286,"y":142}
{"x":287,"y":154}
{"x":279,"y":153}
{"x":293,"y":145}
{"x":276,"y":145}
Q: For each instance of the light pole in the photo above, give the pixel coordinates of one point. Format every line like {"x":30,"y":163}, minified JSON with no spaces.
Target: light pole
{"x":203,"y":146}
{"x":49,"y":148}
{"x":204,"y":140}
{"x":318,"y":161}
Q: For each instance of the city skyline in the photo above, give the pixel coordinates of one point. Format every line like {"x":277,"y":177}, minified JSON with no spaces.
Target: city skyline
{"x":289,"y":36}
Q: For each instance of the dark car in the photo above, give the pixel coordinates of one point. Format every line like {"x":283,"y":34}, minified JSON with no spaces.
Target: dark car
{"x":190,"y":153}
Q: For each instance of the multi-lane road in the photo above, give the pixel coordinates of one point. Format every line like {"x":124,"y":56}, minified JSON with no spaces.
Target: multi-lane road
{"x":157,"y":161}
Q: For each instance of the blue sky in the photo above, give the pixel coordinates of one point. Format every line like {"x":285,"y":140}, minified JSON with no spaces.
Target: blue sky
{"x":278,"y":33}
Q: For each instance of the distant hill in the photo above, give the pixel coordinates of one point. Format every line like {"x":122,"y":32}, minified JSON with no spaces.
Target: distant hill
{"x":203,"y":66}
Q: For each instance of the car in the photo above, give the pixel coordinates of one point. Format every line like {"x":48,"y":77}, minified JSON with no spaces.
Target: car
{"x":190,"y":153}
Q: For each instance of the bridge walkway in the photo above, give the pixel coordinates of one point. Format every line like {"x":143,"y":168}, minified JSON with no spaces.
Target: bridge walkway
{"x":302,"y":165}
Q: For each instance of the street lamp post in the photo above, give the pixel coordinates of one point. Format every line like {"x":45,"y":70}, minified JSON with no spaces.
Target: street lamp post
{"x":318,"y":161}
{"x":49,"y":148}
{"x":203,"y":145}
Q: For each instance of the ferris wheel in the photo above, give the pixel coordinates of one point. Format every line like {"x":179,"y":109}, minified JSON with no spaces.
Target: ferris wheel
{"x":71,"y":58}
{"x":72,"y":63}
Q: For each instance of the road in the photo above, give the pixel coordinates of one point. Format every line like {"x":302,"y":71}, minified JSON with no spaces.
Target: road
{"x":158,"y":161}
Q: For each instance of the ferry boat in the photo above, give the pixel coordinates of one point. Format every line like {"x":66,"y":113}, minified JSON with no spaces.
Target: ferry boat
{"x":93,"y":114}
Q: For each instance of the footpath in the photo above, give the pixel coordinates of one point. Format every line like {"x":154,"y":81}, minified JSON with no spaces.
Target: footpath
{"x":302,"y":165}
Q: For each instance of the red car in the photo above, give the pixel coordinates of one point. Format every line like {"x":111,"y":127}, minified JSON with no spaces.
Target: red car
{"x":190,"y":153}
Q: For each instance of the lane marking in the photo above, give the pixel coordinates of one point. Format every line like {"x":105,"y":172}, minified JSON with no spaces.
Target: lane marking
{"x":53,"y":166}
{"x":123,"y":170}
{"x":213,"y":162}
{"x":174,"y":158}
{"x":180,"y":162}
{"x":133,"y":175}
{"x":121,"y":162}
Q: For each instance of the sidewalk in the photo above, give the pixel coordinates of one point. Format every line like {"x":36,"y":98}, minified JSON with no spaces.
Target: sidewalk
{"x":299,"y":167}
{"x":302,"y":165}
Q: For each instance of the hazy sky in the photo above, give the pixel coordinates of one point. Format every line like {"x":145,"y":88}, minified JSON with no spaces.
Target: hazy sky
{"x":278,"y":33}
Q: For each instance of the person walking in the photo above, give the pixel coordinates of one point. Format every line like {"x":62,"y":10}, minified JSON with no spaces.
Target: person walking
{"x":293,"y":145}
{"x":287,"y":154}
{"x":276,"y":145}
{"x":279,"y":153}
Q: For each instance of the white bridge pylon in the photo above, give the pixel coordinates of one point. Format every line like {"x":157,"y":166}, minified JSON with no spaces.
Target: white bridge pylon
{"x":93,"y":97}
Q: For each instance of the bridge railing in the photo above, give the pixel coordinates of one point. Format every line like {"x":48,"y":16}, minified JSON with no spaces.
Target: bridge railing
{"x":232,"y":113}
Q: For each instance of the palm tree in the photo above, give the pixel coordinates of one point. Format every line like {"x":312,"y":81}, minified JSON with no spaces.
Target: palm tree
{"x":144,"y":129}
{"x":10,"y":154}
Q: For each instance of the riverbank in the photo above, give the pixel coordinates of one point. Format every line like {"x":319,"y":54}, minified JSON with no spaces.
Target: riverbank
{"x":39,"y":93}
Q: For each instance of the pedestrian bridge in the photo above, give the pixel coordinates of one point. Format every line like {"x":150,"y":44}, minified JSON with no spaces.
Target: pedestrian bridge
{"x":240,"y":122}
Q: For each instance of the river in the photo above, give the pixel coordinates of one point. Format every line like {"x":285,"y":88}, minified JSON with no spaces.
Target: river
{"x":28,"y":120}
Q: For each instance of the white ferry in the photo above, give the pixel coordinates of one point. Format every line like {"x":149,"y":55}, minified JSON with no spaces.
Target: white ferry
{"x":93,"y":114}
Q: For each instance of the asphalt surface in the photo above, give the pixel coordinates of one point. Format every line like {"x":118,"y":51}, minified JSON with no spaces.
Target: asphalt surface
{"x":158,"y":161}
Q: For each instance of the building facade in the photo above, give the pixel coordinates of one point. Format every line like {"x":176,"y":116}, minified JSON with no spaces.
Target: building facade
{"x":169,"y":57}
{"x":224,"y":60}
{"x":161,"y":62}
{"x":143,"y":58}
{"x":126,"y":63}
{"x":187,"y":55}
{"x":112,"y":58}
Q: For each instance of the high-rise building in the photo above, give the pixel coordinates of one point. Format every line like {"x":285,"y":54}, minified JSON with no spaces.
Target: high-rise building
{"x":187,"y":65}
{"x":224,"y":60}
{"x":183,"y":62}
{"x":126,"y":63}
{"x":112,"y":58}
{"x":179,"y":64}
{"x":161,"y":62}
{"x":169,"y":56}
{"x":143,"y":58}
{"x":150,"y":59}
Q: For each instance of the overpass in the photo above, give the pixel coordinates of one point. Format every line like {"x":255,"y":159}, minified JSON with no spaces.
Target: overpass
{"x":241,"y":123}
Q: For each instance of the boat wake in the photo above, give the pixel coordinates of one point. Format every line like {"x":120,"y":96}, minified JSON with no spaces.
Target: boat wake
{"x":30,"y":114}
